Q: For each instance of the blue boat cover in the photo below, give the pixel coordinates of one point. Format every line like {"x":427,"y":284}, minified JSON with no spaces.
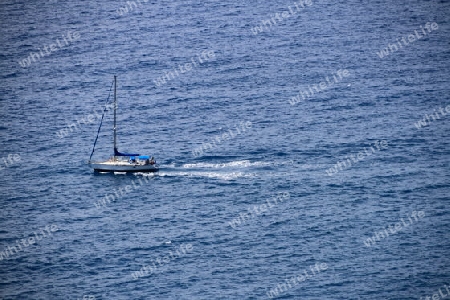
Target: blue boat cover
{"x":144,"y":157}
{"x":117,"y":153}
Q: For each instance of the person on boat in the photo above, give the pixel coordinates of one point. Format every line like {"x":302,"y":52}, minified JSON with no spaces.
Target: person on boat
{"x":132,"y":160}
{"x":152,"y":161}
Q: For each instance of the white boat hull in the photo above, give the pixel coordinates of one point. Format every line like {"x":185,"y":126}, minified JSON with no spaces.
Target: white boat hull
{"x":119,"y":167}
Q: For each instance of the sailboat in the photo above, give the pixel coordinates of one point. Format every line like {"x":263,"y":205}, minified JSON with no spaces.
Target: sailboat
{"x":122,"y":162}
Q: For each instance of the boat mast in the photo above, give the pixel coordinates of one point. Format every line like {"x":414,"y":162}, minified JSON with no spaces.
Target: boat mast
{"x":115,"y":107}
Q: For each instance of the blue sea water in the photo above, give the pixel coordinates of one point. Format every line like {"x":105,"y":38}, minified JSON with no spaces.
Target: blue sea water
{"x":287,"y":150}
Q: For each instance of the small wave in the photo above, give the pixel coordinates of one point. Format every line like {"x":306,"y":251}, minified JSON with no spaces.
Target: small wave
{"x":239,"y":163}
{"x":218,"y":175}
{"x":117,"y":173}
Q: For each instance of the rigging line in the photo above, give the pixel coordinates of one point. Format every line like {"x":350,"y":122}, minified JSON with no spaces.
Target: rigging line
{"x":101,"y":121}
